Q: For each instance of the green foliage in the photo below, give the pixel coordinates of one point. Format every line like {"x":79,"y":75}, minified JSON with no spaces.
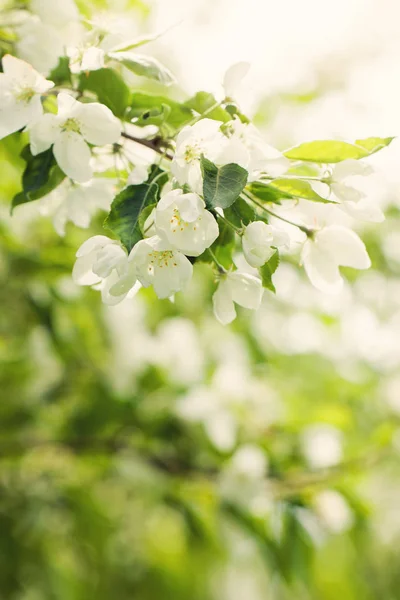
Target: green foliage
{"x":205,"y":104}
{"x":268,"y":193}
{"x":109,"y":87}
{"x":61,"y":74}
{"x":296,"y":188}
{"x":222,"y":185}
{"x":152,"y":109}
{"x":240,"y":213}
{"x":330,"y":151}
{"x":40,"y":177}
{"x":145,"y":66}
{"x":123,"y":219}
{"x":267,"y":270}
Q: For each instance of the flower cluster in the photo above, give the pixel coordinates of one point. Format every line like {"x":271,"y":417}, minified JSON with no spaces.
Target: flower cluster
{"x":182,"y":182}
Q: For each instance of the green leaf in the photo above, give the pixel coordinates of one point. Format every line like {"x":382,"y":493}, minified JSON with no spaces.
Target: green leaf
{"x":202,"y":102}
{"x":267,"y":193}
{"x":145,"y":66}
{"x":144,"y":215}
{"x":240,"y":213}
{"x":123,"y":219}
{"x":331,"y":151}
{"x":61,"y":74}
{"x":374,"y":144}
{"x":222,"y":248}
{"x":297,"y":188}
{"x":109,"y":88}
{"x":267,"y":270}
{"x":222,"y":185}
{"x":146,"y":107}
{"x":137,"y":42}
{"x":41,"y":176}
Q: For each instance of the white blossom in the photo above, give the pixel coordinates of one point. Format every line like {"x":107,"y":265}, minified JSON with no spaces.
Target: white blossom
{"x":20,"y":90}
{"x":328,"y":249}
{"x":246,"y":147}
{"x":161,"y":266}
{"x":260,"y":241}
{"x":204,"y":137}
{"x":184,"y":221}
{"x":85,"y":58}
{"x":77,"y":203}
{"x":242,"y":288}
{"x":70,"y":130}
{"x":103,"y":263}
{"x":345,"y":187}
{"x":233,"y":78}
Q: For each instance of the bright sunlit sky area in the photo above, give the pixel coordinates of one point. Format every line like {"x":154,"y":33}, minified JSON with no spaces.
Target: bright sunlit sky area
{"x":350,"y":49}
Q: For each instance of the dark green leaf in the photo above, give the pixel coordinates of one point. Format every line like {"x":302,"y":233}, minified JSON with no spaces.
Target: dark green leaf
{"x":41,"y":176}
{"x":240,"y":213}
{"x":202,"y":103}
{"x":145,"y":66}
{"x":123,"y":219}
{"x":222,"y":185}
{"x":267,"y":270}
{"x":109,"y":88}
{"x":61,"y":74}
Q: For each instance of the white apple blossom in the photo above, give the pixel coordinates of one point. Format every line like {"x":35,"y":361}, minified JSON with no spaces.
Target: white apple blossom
{"x":247,"y":148}
{"x":20,"y":90}
{"x":161,"y":266}
{"x":233,"y":78}
{"x":70,"y":130}
{"x":77,"y":203}
{"x":242,"y":288}
{"x":204,"y":137}
{"x":103,"y":263}
{"x":49,"y":28}
{"x":328,"y":249}
{"x":85,"y":58}
{"x":184,"y":221}
{"x":260,"y":240}
{"x":344,"y":183}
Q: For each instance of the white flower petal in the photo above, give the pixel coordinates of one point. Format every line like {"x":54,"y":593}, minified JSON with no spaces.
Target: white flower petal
{"x":43,"y":133}
{"x":73,"y":156}
{"x":82,"y":273}
{"x":234,"y":77}
{"x":98,"y":124}
{"x":246,"y":289}
{"x":224,"y":308}
{"x":344,"y":246}
{"x":93,"y":243}
{"x":349,"y":168}
{"x":321,"y":269}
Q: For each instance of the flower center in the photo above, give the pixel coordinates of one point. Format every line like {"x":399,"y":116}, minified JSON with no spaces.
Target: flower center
{"x":177,"y":222}
{"x":24,"y":94}
{"x":71,"y":125}
{"x":191,"y":153}
{"x":162,"y":259}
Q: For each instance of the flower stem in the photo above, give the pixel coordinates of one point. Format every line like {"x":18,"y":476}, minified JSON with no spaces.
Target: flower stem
{"x":231,"y":225}
{"x":221,"y":269}
{"x":306,"y":230}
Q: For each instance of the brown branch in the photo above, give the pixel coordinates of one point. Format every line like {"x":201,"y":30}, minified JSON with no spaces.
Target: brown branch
{"x":157,"y":144}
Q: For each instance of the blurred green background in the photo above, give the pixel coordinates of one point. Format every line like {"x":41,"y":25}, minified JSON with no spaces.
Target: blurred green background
{"x":147,"y":452}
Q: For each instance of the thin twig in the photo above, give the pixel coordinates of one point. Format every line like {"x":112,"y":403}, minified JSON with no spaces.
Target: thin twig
{"x":157,"y":144}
